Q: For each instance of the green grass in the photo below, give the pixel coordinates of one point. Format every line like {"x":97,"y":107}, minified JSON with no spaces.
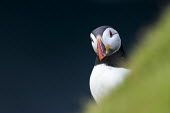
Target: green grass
{"x":147,"y":88}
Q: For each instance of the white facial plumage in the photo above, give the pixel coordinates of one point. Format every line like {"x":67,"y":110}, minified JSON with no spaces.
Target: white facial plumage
{"x":94,"y":42}
{"x":111,"y":38}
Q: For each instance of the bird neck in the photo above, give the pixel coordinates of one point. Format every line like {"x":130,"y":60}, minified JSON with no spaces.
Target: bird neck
{"x":114,"y":60}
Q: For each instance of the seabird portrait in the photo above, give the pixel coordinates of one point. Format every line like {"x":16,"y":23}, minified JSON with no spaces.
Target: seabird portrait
{"x":108,"y":71}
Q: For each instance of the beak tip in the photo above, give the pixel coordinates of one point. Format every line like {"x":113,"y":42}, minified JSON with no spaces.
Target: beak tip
{"x":101,"y":57}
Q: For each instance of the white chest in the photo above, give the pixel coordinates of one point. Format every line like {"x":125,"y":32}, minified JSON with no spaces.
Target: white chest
{"x":104,"y":78}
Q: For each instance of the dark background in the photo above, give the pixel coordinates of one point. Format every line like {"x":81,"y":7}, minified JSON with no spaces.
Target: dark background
{"x":45,"y":52}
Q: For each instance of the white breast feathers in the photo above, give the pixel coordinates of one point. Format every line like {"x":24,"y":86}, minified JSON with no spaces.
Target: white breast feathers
{"x":104,"y":78}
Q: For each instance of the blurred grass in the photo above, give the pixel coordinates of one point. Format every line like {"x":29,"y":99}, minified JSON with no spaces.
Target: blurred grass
{"x":147,"y":88}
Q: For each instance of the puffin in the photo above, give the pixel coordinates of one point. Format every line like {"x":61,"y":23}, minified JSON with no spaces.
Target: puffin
{"x":108,"y":71}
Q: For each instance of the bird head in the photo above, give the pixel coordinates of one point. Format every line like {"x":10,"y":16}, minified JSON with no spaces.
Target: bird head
{"x":105,"y":41}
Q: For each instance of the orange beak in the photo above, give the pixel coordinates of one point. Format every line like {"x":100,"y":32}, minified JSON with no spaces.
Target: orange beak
{"x":100,"y":48}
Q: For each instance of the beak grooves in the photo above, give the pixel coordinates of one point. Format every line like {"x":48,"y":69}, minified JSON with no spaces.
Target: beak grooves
{"x":101,"y":49}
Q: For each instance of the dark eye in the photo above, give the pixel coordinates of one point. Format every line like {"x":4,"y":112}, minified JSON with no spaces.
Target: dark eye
{"x":91,"y":40}
{"x":111,"y":34}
